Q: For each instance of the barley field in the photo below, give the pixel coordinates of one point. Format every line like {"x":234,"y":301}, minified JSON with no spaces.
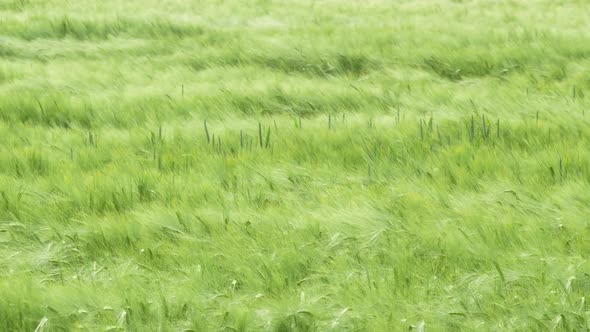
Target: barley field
{"x":308,"y":165}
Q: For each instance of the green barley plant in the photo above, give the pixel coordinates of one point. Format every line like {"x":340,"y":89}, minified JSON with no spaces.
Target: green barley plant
{"x":128,"y":205}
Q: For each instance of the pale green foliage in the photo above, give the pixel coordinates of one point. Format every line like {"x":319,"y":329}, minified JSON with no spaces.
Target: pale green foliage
{"x":294,"y":165}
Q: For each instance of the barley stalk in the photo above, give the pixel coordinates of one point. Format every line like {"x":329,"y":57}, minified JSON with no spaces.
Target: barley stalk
{"x":207,"y":132}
